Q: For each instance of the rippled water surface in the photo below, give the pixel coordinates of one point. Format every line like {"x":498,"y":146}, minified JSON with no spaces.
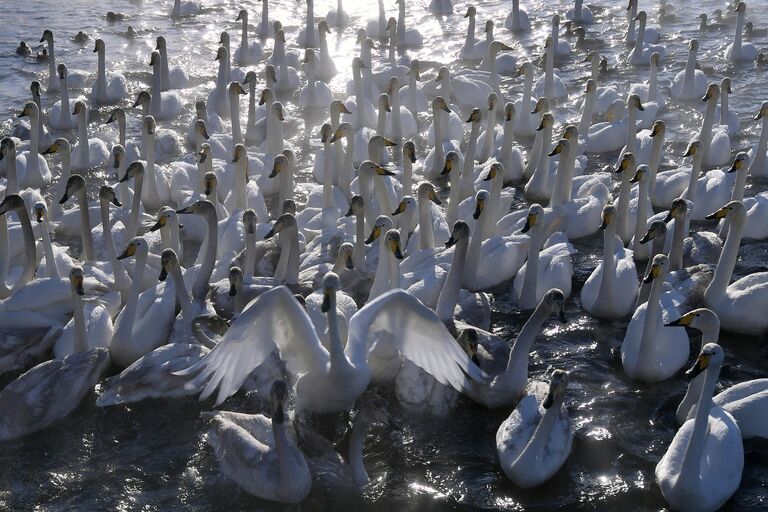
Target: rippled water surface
{"x":150,"y":455}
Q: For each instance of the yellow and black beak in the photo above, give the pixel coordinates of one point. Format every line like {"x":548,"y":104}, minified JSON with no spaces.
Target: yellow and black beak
{"x":128,"y":252}
{"x":78,"y":282}
{"x":400,"y":209}
{"x":637,"y":177}
{"x":382,"y":171}
{"x":605,"y":221}
{"x":53,"y":148}
{"x":737,"y":165}
{"x":326,"y":304}
{"x":653,"y":273}
{"x":759,"y":115}
{"x":478,"y":209}
{"x":530,"y":221}
{"x":648,"y":236}
{"x":447,"y":168}
{"x":39,"y":214}
{"x":701,"y":364}
{"x":433,"y":197}
{"x":349,"y":262}
{"x":159,"y":224}
{"x":690,"y":151}
{"x":491,"y":174}
{"x":396,"y":249}
{"x":683,"y":321}
{"x":163,"y":274}
{"x":719,"y":214}
{"x":375,"y":234}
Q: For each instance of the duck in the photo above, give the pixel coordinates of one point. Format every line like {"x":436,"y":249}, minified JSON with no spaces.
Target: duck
{"x":691,"y":83}
{"x":611,"y":289}
{"x":740,"y":51}
{"x":535,"y":440}
{"x":89,"y":152}
{"x":704,"y":26}
{"x":735,"y":302}
{"x":703,"y":464}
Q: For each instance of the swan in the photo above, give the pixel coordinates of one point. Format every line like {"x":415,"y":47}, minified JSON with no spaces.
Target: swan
{"x":759,"y":153}
{"x":691,"y":83}
{"x":265,"y":29}
{"x":435,"y":161}
{"x":338,"y":17}
{"x":562,"y":48}
{"x":642,"y":51}
{"x":735,"y":303}
{"x":728,"y":118}
{"x":535,"y":440}
{"x":527,"y":120}
{"x":130,"y":149}
{"x":60,"y":115}
{"x":755,"y":228}
{"x":717,"y":144}
{"x":740,"y":51}
{"x":331,"y":381}
{"x":580,"y":13}
{"x":472,"y":49}
{"x":247,"y":53}
{"x":650,"y":352}
{"x":31,"y":167}
{"x":170,"y":78}
{"x":611,"y":135}
{"x":604,"y":96}
{"x":709,"y":191}
{"x":89,"y":151}
{"x":307,"y":37}
{"x":75,"y":79}
{"x":327,"y":69}
{"x":550,"y":84}
{"x":702,"y":467}
{"x":441,"y":7}
{"x":651,"y":34}
{"x":185,"y":8}
{"x":155,"y":309}
{"x":104,"y":92}
{"x":163,"y":105}
{"x":377,"y":27}
{"x":550,"y":267}
{"x":23,"y":128}
{"x":363,"y":113}
{"x":611,"y":289}
{"x":517,"y":20}
{"x":705,"y":27}
{"x":316,"y":94}
{"x":232,"y":73}
{"x":406,"y":38}
{"x":258,"y":453}
{"x":649,"y":91}
{"x":745,"y":401}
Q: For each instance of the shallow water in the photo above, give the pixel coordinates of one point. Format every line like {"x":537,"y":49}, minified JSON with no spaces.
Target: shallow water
{"x":150,"y":455}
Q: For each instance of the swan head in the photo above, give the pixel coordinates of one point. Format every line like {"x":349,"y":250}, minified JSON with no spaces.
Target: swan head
{"x":355,"y":206}
{"x":41,"y":211}
{"x":331,"y":285}
{"x":323,"y":28}
{"x":75,"y":184}
{"x":168,"y":262}
{"x":590,"y":87}
{"x":277,"y":111}
{"x":76,"y":276}
{"x":733,"y":211}
{"x":658,"y":268}
{"x":242,"y":16}
{"x":571,"y":133}
{"x":203,"y":207}
{"x":251,"y":77}
{"x":309,"y":56}
{"x":657,"y":228}
{"x":562,"y":145}
{"x":640,"y":173}
{"x":285,"y":221}
{"x":392,"y":241}
{"x":409,"y":151}
{"x":443,"y":74}
{"x":542,"y":105}
{"x":495,"y":170}
{"x":655,"y":59}
{"x":633,"y":101}
{"x":30,"y":109}
{"x":107,"y":195}
{"x":547,"y":121}
{"x":391,"y":25}
{"x":475,"y":116}
{"x":326,"y":133}
{"x":492,"y":100}
{"x":117,"y":114}
{"x":498,"y":46}
{"x":338,"y":107}
{"x":450,"y":160}
{"x":509,"y":111}
{"x":725,"y":85}
{"x":154,"y":59}
{"x":62,"y":69}
{"x":703,"y":319}
{"x":12,"y":202}
{"x":713,"y":93}
{"x":603,"y":65}
{"x":554,"y":301}
{"x":740,"y":162}
{"x":59,"y":146}
{"x":80,"y":109}
{"x":481,"y":198}
{"x":222,"y":54}
{"x":460,"y":232}
{"x":439,"y":103}
{"x":628,"y":162}
{"x":99,"y":46}
{"x":658,"y":128}
{"x":394,"y":86}
{"x":693,"y":45}
{"x":407,"y":204}
{"x":535,"y":212}
{"x":384,"y":102}
{"x":239,"y":153}
{"x":489,"y":27}
{"x":347,"y":251}
{"x":526,"y":69}
{"x":632,"y":5}
{"x":224,"y":42}
{"x":279,"y":34}
{"x":361,"y":35}
{"x":201,"y":129}
{"x":34,"y":86}
{"x":763,"y":112}
{"x":249,"y":221}
{"x":609,"y":212}
{"x":558,"y":383}
{"x":235,"y":281}
{"x":555,"y":21}
{"x":149,"y":125}
{"x":142,"y":98}
{"x":278,"y":395}
{"x":711,"y":356}
{"x":47,"y":37}
{"x":592,"y":57}
{"x":235,"y":89}
{"x":211,"y":183}
{"x":471,"y":12}
{"x":289,"y":207}
{"x":136,"y":247}
{"x":741,"y":7}
{"x":678,"y":208}
{"x":7,"y":147}
{"x":134,"y":169}
{"x":641,"y":16}
{"x":694,"y":147}
{"x":205,"y":152}
{"x":165,"y":216}
{"x":270,"y":74}
{"x":372,"y":168}
{"x":160,"y":43}
{"x":382,"y":225}
{"x":357,"y":64}
{"x":266,"y":95}
{"x":280,"y":163}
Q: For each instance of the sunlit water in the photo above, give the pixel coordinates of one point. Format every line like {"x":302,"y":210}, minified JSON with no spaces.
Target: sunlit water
{"x":150,"y":455}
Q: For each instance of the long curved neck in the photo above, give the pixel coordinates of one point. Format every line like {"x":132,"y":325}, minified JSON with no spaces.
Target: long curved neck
{"x":494,"y":206}
{"x":643,"y":210}
{"x":631,"y":13}
{"x":470,"y":41}
{"x":84,"y":156}
{"x":622,"y":216}
{"x":382,"y":194}
{"x":355,"y":454}
{"x":12,"y":183}
{"x":678,"y":237}
{"x":282,"y":445}
{"x":200,"y":286}
{"x":561,"y":193}
{"x":468,"y":172}
{"x":426,"y":230}
{"x":182,"y":295}
{"x":508,"y":141}
{"x":527,"y":91}
{"x":473,"y":254}
{"x":80,"y":343}
{"x":538,"y":442}
{"x":101,"y":76}
{"x":133,"y":220}
{"x":61,"y":185}
{"x":221,"y":77}
{"x":336,"y":347}
{"x":549,"y":73}
{"x":310,"y":28}
{"x":608,"y":279}
{"x":758,"y":162}
{"x":244,"y":42}
{"x":252,"y":106}
{"x":726,"y":263}
{"x":165,"y":74}
{"x":586,"y":112}
{"x":5,"y":257}
{"x":535,"y":154}
{"x":693,"y":181}
{"x":739,"y":30}
{"x":30,"y":250}
{"x":241,"y":185}
{"x":397,"y":125}
{"x":439,"y":159}
{"x":129,"y":312}
{"x":653,"y":83}
{"x":690,"y":71}
{"x":490,"y":135}
{"x":541,"y":171}
{"x":407,"y":177}
{"x":54,"y":83}
{"x":50,"y":260}
{"x":65,"y":112}
{"x":646,"y":356}
{"x":155,"y":104}
{"x":89,"y":254}
{"x":264,"y":18}
{"x":382,"y":279}
{"x":454,"y":196}
{"x":286,"y":185}
{"x":631,"y":129}
{"x":517,"y":362}
{"x":449,"y":294}
{"x":694,"y":451}
{"x":707,"y":124}
{"x":401,"y":23}
{"x":724,"y":107}
{"x":528,"y":295}
{"x":289,"y":241}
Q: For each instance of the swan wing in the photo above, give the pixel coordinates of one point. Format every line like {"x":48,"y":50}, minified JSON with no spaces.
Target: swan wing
{"x":273,"y":320}
{"x":417,"y":333}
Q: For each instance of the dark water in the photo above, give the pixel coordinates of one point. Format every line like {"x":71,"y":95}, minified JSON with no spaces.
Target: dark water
{"x":150,"y":456}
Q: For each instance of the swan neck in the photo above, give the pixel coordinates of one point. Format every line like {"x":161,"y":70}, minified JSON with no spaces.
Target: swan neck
{"x":50,"y":260}
{"x":80,"y":343}
{"x":697,"y":442}
{"x":528,"y":294}
{"x":200,"y":286}
{"x":30,"y":249}
{"x":726,"y":263}
{"x":519,"y":354}
{"x":85,"y":226}
{"x":83,"y":144}
{"x":537,"y":444}
{"x":449,"y":294}
{"x":355,"y":454}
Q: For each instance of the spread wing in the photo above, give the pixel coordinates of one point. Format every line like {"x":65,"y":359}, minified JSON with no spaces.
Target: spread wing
{"x":417,"y":333}
{"x":272,"y":320}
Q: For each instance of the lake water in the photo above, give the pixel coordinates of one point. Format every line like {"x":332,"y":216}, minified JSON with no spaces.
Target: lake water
{"x":150,"y":456}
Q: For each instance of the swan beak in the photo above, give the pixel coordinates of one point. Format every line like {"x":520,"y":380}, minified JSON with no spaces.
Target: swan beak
{"x":447,"y":168}
{"x":232,"y":290}
{"x":682,"y":321}
{"x":53,"y":148}
{"x":541,"y":125}
{"x":202,"y":156}
{"x":348,"y":261}
{"x":400,"y":209}
{"x":343,"y":109}
{"x":491,"y":174}
{"x":115,"y":201}
{"x":690,"y":151}
{"x":186,"y":209}
{"x":78,"y":282}
{"x":389,"y":143}
{"x":375,"y":233}
{"x":270,"y":233}
{"x":636,"y":18}
{"x":64,"y":198}
{"x":39,"y":214}
{"x":670,"y":215}
{"x":128,"y":252}
{"x":163,"y":274}
{"x":478,"y":209}
{"x":275,"y":170}
{"x":719,"y":214}
{"x":382,"y":171}
{"x":759,"y":115}
{"x":653,"y":273}
{"x":550,"y":399}
{"x":159,"y":224}
{"x":655,"y":130}
{"x":136,"y":103}
{"x":450,"y":242}
{"x":637,"y":177}
{"x":326,"y":304}
{"x":433,"y":197}
{"x":640,"y":107}
{"x":204,"y":132}
{"x":701,"y":364}
{"x":648,"y":236}
{"x":558,"y":149}
{"x":396,"y":249}
{"x":736,"y":166}
{"x":606,"y":220}
{"x":349,"y":213}
{"x":530,"y":220}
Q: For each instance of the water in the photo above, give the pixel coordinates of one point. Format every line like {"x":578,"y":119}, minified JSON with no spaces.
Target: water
{"x":150,"y":455}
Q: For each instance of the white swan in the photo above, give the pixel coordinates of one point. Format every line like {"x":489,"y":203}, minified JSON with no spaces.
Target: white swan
{"x":702,"y":467}
{"x":171,"y":78}
{"x":316,"y":94}
{"x":641,"y":53}
{"x":728,"y":119}
{"x":107,"y":92}
{"x":31,"y":167}
{"x":184,"y":8}
{"x":759,"y":153}
{"x":691,"y":83}
{"x":651,"y":33}
{"x":247,"y":53}
{"x":517,"y":20}
{"x":535,"y":440}
{"x":717,"y":144}
{"x":163,"y":105}
{"x":89,"y":151}
{"x":60,"y":115}
{"x":550,"y":84}
{"x":740,"y":51}
{"x":75,"y":79}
